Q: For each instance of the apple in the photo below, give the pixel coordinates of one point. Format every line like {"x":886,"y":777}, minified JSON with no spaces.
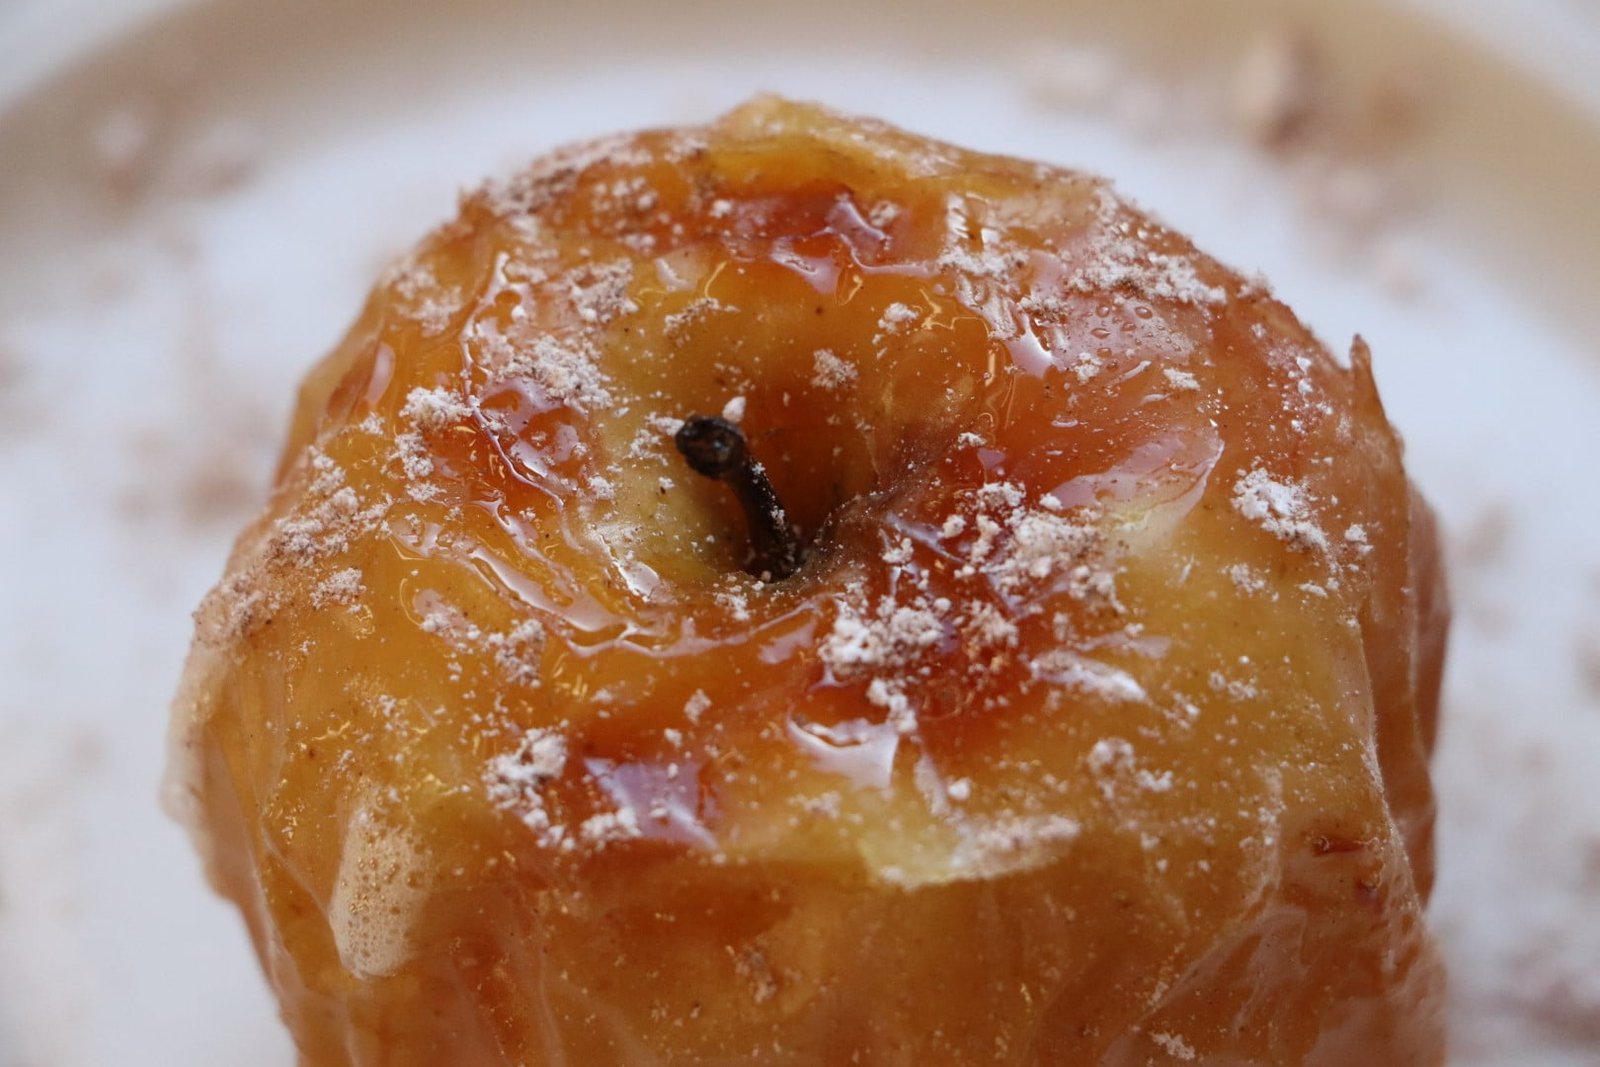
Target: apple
{"x":794,"y":592}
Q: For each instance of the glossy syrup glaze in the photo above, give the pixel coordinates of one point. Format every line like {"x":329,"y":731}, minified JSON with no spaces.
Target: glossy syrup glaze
{"x":1093,"y":728}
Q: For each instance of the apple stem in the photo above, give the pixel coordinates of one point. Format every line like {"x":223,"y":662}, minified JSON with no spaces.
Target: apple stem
{"x":718,"y":449}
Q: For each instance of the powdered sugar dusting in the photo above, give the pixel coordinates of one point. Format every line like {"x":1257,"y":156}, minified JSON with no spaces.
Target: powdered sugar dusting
{"x":1118,"y":258}
{"x":515,"y":782}
{"x":567,"y":369}
{"x":1114,"y":765}
{"x":1181,"y":380}
{"x":608,"y":827}
{"x":1282,"y":508}
{"x":898,"y":318}
{"x":1014,"y":557}
{"x":420,"y":296}
{"x":1009,"y":843}
{"x":325,"y":522}
{"x":1175,"y":1046}
{"x":517,"y":652}
{"x":557,"y":352}
{"x":434,"y":409}
{"x":341,"y":587}
{"x":831,"y":372}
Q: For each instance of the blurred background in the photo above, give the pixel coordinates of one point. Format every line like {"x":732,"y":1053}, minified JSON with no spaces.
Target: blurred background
{"x":195,"y":195}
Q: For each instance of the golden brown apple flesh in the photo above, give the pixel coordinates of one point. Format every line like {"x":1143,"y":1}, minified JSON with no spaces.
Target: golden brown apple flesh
{"x":1093,"y":728}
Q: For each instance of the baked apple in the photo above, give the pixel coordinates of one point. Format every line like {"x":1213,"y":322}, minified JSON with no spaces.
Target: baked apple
{"x":793,"y":592}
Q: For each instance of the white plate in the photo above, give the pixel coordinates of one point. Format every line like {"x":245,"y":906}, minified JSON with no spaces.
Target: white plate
{"x":191,"y":209}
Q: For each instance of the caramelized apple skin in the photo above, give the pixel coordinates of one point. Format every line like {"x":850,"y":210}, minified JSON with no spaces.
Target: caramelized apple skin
{"x":1093,"y":730}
